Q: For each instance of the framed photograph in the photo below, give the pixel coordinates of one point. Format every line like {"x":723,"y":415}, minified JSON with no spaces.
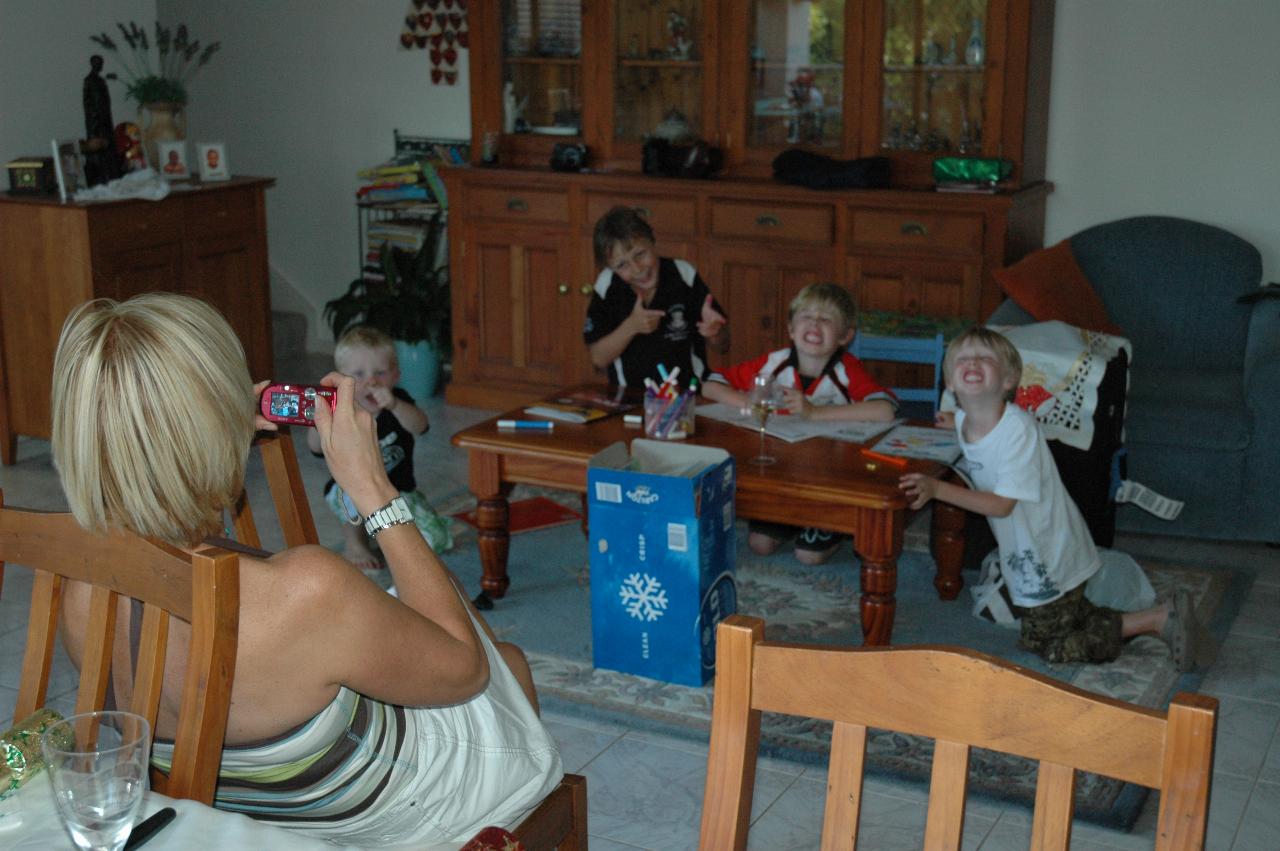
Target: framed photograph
{"x":68,"y":168}
{"x":173,"y":160}
{"x":213,"y":161}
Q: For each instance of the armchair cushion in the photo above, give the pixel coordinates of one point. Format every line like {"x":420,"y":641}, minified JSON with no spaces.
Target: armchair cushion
{"x":1050,"y":285}
{"x":1177,"y":408}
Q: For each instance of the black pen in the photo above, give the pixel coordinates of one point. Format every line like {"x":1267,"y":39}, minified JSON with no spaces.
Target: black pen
{"x":148,"y":828}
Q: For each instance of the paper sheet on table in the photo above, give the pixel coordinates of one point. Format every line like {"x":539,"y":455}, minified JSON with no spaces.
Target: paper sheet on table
{"x":931,"y":444}
{"x":794,"y":429}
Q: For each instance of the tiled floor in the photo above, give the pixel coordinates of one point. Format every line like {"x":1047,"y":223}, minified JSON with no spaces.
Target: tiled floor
{"x":646,"y":790}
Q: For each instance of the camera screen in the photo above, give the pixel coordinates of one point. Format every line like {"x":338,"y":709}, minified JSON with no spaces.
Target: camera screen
{"x":285,"y":404}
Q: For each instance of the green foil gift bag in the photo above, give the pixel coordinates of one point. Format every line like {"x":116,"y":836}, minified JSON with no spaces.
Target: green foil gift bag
{"x":20,"y":754}
{"x":982,"y":170}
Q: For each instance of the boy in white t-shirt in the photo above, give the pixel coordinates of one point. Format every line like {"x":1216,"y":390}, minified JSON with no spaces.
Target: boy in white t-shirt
{"x":1046,"y":551}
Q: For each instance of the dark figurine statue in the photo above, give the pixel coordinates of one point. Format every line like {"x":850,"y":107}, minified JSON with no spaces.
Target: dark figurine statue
{"x":101,"y":161}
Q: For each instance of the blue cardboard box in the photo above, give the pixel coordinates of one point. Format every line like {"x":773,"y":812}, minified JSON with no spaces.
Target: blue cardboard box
{"x":662,"y":557}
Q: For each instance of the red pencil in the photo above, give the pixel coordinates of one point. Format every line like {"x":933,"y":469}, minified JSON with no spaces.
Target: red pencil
{"x":893,"y":460}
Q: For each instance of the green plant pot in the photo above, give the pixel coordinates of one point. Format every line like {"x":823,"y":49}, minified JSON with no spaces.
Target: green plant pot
{"x":419,"y":368}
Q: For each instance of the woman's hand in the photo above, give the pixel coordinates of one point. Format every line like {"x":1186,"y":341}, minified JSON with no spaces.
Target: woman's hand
{"x":349,"y":441}
{"x":260,"y":422}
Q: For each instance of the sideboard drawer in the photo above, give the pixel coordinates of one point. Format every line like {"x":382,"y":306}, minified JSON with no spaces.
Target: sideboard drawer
{"x":137,"y":225}
{"x":221,"y":211}
{"x":666,"y":215}
{"x":524,"y":204}
{"x":916,"y":229}
{"x":808,"y":223}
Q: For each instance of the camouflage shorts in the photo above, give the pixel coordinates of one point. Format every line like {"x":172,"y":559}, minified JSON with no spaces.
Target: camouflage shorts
{"x":1071,"y":629}
{"x":432,"y":526}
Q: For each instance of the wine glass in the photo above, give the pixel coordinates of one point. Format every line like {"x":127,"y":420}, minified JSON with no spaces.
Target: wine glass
{"x":765,"y":398}
{"x":98,"y":766}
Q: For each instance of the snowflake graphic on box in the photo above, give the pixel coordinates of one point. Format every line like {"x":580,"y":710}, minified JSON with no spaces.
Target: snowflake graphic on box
{"x":643,"y":597}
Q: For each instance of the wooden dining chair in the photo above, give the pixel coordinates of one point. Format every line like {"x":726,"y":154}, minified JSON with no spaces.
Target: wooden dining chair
{"x":560,"y":820}
{"x":200,"y":587}
{"x":961,"y":699}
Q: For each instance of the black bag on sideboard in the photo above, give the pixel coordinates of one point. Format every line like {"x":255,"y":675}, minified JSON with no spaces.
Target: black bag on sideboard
{"x":695,"y":159}
{"x":805,"y":168}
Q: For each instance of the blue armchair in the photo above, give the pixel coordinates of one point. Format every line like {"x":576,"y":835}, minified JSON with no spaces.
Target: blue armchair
{"x":1203,"y":420}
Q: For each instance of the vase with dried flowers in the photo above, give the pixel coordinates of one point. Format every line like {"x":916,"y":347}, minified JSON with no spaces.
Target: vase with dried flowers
{"x":157,"y":79}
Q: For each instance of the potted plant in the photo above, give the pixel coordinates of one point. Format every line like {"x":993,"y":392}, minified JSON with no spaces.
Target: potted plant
{"x":408,"y":299}
{"x":158,"y":81}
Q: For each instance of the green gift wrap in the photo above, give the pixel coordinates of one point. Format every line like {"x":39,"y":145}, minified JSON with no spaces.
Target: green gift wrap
{"x":971,"y":170}
{"x":20,"y":754}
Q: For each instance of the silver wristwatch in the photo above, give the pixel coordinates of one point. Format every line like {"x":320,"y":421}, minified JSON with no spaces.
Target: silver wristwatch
{"x":393,"y":513}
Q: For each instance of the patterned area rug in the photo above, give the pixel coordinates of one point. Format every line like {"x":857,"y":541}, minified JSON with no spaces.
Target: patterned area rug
{"x":547,"y":612}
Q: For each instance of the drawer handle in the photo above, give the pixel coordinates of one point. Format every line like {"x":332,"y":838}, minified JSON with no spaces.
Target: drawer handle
{"x":585,"y":289}
{"x":518,"y":205}
{"x":914,"y":229}
{"x":768,"y":221}
{"x":644,"y":211}
{"x":563,"y":289}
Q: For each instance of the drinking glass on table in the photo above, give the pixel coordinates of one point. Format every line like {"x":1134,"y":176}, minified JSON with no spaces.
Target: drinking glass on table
{"x":765,"y":398}
{"x":98,"y":766}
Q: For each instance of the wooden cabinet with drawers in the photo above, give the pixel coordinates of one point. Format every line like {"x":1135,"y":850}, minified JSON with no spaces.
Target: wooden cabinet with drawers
{"x":523,"y":268}
{"x":208,"y":241}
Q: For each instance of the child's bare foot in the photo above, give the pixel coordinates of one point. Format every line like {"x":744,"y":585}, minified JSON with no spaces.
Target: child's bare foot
{"x":762,"y":544}
{"x":361,"y":557}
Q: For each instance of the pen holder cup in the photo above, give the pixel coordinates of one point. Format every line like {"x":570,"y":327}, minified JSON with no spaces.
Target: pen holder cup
{"x":669,"y":417}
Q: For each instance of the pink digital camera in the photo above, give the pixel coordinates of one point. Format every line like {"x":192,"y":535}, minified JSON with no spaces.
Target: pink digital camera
{"x":295,"y":404}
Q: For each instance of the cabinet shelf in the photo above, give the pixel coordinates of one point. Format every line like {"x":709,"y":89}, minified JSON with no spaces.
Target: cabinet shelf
{"x":660,"y":63}
{"x":935,"y":69}
{"x":543,"y":60}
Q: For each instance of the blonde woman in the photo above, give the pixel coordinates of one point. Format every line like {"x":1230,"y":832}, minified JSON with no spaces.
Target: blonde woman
{"x":355,"y":716}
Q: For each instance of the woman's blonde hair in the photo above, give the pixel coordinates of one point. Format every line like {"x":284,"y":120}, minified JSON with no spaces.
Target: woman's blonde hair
{"x":152,"y":416}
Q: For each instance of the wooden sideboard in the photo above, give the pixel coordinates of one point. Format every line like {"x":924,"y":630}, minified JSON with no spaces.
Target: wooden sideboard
{"x":522,"y":264}
{"x":207,"y":240}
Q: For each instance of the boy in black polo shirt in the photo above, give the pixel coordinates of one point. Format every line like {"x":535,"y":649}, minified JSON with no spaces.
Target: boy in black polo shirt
{"x":646,"y":310}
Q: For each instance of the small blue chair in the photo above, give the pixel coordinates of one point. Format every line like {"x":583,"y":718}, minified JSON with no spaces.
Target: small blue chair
{"x":924,"y":350}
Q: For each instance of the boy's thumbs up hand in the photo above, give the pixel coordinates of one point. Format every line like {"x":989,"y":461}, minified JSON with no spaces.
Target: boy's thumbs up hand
{"x":643,"y":320}
{"x":712,"y":320}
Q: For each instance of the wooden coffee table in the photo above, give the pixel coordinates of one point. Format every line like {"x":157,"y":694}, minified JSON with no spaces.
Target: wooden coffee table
{"x":816,"y":482}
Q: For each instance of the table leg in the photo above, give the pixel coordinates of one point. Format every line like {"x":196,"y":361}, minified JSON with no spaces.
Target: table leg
{"x":948,"y":549}
{"x":878,"y":544}
{"x":493,"y":524}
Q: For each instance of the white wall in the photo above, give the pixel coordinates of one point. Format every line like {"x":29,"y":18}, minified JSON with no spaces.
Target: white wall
{"x":1157,"y":106}
{"x":309,"y":93}
{"x":1168,"y":107}
{"x":44,"y":56}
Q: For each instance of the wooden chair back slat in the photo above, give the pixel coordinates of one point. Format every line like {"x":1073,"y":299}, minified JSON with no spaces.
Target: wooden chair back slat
{"x":961,"y":699}
{"x":99,"y":644}
{"x":844,"y":787}
{"x":948,"y":786}
{"x":288,"y":494}
{"x":1055,"y":805}
{"x":148,"y":676}
{"x":202,"y":588}
{"x":42,"y":636}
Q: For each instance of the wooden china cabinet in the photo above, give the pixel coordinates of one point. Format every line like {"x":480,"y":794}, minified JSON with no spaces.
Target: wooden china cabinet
{"x":910,"y":80}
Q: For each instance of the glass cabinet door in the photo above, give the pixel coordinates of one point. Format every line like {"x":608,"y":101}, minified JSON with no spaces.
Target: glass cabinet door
{"x":659,"y":75}
{"x":933,"y":75}
{"x":796,"y":85}
{"x":542,"y":66}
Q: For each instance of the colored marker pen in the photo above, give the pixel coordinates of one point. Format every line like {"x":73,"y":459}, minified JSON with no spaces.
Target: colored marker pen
{"x":535,"y":425}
